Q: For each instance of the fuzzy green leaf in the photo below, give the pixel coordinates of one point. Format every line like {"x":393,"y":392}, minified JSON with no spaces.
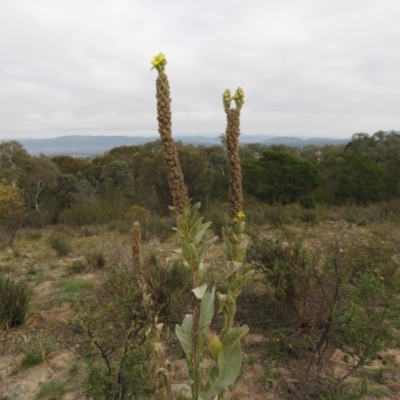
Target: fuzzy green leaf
{"x":239,"y":228}
{"x":204,"y":247}
{"x":227,"y":369}
{"x":235,"y":334}
{"x":227,"y":248}
{"x":184,"y":334}
{"x":234,"y":287}
{"x":240,"y":254}
{"x":182,"y":225}
{"x":207,"y":310}
{"x":193,"y":212}
{"x":199,"y":291}
{"x":189,"y":252}
{"x":194,"y":227}
{"x":231,"y":267}
{"x":200,"y":232}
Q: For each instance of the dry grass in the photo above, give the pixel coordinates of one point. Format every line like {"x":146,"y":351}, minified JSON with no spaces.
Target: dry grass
{"x":56,"y":293}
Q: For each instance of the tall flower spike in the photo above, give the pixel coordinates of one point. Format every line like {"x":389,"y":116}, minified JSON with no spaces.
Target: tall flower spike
{"x":176,"y":182}
{"x":232,"y":146}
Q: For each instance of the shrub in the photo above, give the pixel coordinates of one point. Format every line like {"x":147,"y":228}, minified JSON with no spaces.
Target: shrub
{"x":14,"y":302}
{"x":389,"y":210}
{"x":309,"y":217}
{"x":90,"y":231}
{"x":341,"y":293}
{"x":30,"y":234}
{"x":73,"y":290}
{"x":133,"y":379}
{"x":170,"y":289}
{"x":137,"y":213}
{"x":60,"y":243}
{"x":217,"y":215}
{"x":359,"y":215}
{"x":39,"y":219}
{"x":96,"y":259}
{"x":277,"y":215}
{"x":77,"y":215}
{"x":53,"y":390}
{"x":284,"y":265}
{"x":77,"y":266}
{"x":36,"y":348}
{"x":159,"y":227}
{"x":100,"y":212}
{"x":12,"y":207}
{"x":113,"y":326}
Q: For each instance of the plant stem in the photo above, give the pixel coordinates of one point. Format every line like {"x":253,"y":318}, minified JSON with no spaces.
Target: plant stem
{"x":196,"y":349}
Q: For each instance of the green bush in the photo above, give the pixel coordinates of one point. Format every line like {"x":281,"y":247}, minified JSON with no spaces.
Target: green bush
{"x":309,"y":217}
{"x":159,"y":227}
{"x":217,"y":215}
{"x":133,"y":380}
{"x":100,"y":212}
{"x":14,"y":302}
{"x":36,"y":348}
{"x":113,"y":327}
{"x":72,"y":290}
{"x":53,"y":390}
{"x":277,"y":215}
{"x":360,"y":215}
{"x":39,"y":219}
{"x":284,"y":264}
{"x":170,"y":289}
{"x":77,"y":215}
{"x":60,"y":243}
{"x":340,"y":293}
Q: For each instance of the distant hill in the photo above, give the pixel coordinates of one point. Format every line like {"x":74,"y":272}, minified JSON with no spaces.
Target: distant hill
{"x":88,"y":146}
{"x":80,"y":145}
{"x":299,"y":142}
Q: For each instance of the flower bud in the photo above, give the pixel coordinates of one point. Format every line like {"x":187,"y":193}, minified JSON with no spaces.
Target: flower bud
{"x":239,"y":97}
{"x":226,"y":99}
{"x":214,"y":344}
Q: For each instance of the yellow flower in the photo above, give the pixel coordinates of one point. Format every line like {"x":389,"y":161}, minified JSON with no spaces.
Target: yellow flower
{"x":159,"y":62}
{"x":241,"y":214}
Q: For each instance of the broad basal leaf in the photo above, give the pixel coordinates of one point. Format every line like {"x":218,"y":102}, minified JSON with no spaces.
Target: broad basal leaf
{"x":235,"y":286}
{"x":225,"y":372}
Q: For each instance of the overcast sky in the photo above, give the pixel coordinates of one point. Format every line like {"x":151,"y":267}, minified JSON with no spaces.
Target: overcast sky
{"x":308,"y":68}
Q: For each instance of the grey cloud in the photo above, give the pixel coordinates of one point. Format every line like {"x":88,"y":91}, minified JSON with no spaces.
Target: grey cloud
{"x":310,"y":67}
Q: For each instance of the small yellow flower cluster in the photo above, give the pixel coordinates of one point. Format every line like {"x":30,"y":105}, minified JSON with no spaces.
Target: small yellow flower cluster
{"x":241,"y":214}
{"x":159,"y":62}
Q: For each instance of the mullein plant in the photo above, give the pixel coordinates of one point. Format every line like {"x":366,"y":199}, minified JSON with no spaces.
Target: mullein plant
{"x":235,"y":243}
{"x":194,"y":333}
